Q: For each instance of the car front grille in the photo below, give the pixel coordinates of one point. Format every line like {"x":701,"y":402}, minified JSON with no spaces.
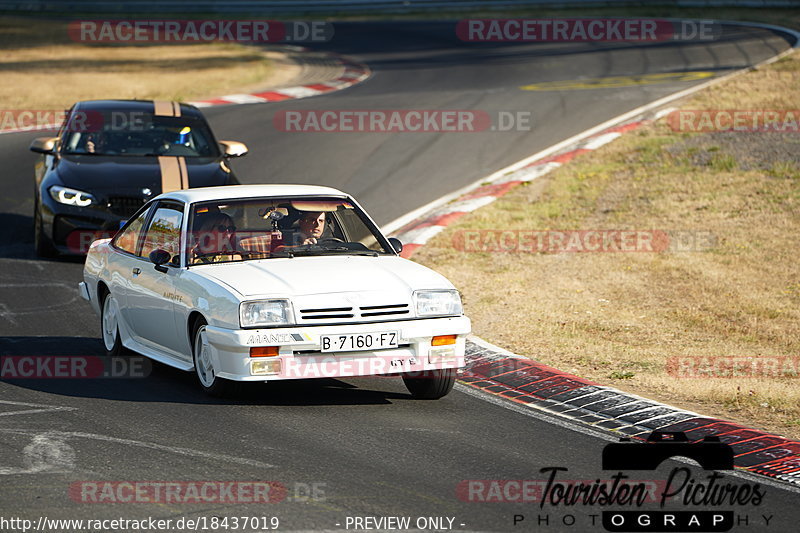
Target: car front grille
{"x":326,"y":313}
{"x":366,"y":312}
{"x":124,"y":206}
{"x":384,"y":310}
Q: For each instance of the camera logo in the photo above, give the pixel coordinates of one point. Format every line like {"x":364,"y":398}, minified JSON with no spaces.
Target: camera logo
{"x":709,"y":453}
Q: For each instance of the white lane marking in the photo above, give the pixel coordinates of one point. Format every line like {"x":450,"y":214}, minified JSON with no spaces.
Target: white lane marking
{"x":39,"y":408}
{"x":664,"y":112}
{"x":298,"y":92}
{"x":596,"y":142}
{"x":528,"y":173}
{"x":421,"y":235}
{"x":47,"y":453}
{"x":149,"y":445}
{"x":337,"y":84}
{"x":8,"y":314}
{"x":465,"y":206}
{"x":243,"y":99}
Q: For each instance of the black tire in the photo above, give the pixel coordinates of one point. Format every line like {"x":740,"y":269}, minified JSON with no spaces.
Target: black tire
{"x":204,"y":371}
{"x":109,"y":328}
{"x":431,"y":384}
{"x":42,"y":243}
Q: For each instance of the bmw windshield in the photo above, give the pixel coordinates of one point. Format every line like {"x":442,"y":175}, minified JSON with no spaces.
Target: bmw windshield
{"x":122,"y":134}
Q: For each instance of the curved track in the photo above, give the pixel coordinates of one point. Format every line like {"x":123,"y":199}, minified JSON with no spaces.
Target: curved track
{"x":368,"y":446}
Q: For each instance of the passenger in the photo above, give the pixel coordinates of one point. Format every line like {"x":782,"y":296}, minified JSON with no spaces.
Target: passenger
{"x":215,"y":239}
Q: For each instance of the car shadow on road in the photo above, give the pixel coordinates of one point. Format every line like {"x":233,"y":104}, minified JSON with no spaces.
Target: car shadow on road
{"x":66,"y":361}
{"x":16,"y":240}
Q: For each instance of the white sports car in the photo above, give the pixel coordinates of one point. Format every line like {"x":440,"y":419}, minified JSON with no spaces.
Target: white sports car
{"x":273,"y":282}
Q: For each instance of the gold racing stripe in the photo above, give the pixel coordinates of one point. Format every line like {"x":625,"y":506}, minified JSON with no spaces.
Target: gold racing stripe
{"x":167,"y":109}
{"x":184,"y":172}
{"x":164,"y":109}
{"x":174,"y":175}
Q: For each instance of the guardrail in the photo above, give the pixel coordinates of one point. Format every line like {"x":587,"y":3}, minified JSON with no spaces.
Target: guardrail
{"x":341,"y":6}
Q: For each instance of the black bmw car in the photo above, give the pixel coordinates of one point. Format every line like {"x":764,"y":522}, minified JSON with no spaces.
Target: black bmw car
{"x":110,"y":157}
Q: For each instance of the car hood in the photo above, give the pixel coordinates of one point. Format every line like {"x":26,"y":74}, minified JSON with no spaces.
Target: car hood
{"x":313,"y":278}
{"x":111,"y":173}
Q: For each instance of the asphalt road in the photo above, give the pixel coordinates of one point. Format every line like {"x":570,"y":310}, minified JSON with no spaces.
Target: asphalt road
{"x":341,"y":448}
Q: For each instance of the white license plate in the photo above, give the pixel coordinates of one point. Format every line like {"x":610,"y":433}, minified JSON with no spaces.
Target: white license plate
{"x":353,"y":342}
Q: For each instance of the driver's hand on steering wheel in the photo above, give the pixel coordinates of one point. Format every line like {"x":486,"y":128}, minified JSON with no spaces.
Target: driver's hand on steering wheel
{"x":310,"y":240}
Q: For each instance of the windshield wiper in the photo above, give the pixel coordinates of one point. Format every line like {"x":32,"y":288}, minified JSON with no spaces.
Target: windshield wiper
{"x":339,"y":250}
{"x":265,"y":255}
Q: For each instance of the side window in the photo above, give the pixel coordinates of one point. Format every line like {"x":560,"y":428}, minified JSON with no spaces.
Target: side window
{"x":164,"y":231}
{"x":128,"y":238}
{"x":356,"y":230}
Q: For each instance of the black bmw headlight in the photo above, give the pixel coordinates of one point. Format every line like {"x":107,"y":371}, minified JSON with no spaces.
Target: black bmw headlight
{"x":65,"y":195}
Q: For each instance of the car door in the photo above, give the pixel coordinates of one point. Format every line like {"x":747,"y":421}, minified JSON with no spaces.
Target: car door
{"x":151,"y":292}
{"x":123,"y":261}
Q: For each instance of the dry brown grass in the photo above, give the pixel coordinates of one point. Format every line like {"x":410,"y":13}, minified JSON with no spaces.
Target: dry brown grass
{"x":43,"y":69}
{"x":618,"y":318}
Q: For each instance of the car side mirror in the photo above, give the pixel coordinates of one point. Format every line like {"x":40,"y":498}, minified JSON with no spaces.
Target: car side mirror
{"x":396,"y":244}
{"x":44,"y":145}
{"x":233,"y":148}
{"x":159,"y":257}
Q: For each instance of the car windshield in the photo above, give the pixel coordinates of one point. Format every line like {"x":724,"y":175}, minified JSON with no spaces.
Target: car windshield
{"x":242,"y":230}
{"x":140,"y":134}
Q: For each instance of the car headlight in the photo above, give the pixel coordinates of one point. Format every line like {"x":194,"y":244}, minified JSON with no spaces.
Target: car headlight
{"x":65,"y":195}
{"x":438,"y":303}
{"x":265,"y":313}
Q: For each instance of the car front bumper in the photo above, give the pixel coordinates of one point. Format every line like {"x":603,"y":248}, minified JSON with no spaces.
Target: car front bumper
{"x":299,"y":355}
{"x":72,"y":229}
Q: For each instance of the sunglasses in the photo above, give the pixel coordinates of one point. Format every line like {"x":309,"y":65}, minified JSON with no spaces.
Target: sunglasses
{"x":229,"y":229}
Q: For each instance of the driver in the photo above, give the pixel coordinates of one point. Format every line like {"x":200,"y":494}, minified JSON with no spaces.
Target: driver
{"x":94,"y":143}
{"x":311,"y":225}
